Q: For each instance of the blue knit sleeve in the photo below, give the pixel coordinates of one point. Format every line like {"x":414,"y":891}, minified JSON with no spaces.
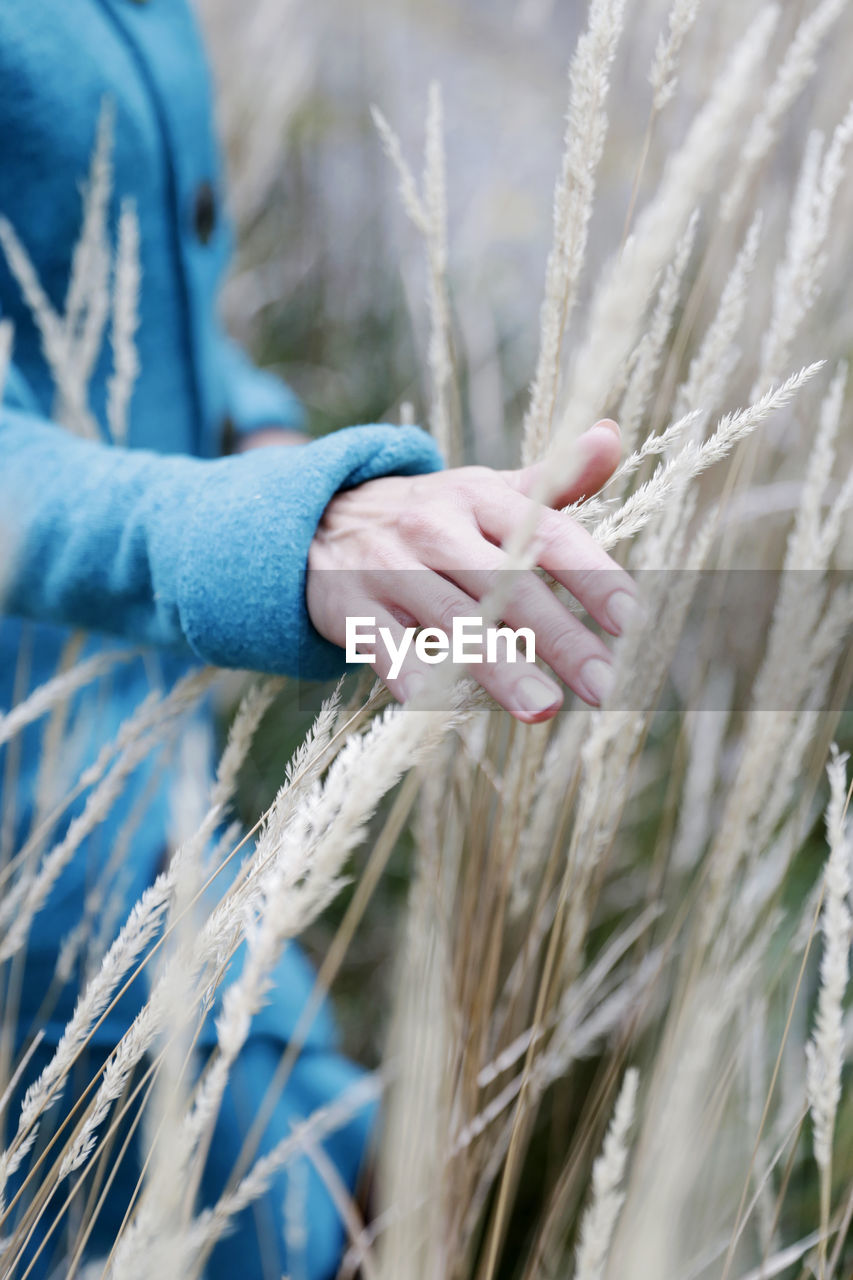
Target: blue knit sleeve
{"x":176,"y":551}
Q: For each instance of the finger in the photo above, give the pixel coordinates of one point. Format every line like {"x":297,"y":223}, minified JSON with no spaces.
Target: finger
{"x":387,"y":643}
{"x":520,"y":687}
{"x":579,"y":658}
{"x":569,"y":553}
{"x":356,"y":619}
{"x":600,"y":451}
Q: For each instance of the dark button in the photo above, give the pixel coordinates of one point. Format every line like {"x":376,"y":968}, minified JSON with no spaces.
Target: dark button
{"x":204,"y":214}
{"x":228,"y":435}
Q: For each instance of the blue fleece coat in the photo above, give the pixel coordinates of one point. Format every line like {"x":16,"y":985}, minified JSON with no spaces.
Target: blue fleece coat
{"x":162,"y":543}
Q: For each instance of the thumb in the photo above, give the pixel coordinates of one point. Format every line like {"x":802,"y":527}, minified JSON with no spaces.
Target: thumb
{"x":600,"y":451}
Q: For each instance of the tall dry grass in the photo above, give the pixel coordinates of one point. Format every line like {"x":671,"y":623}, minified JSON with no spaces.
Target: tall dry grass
{"x":618,"y":1037}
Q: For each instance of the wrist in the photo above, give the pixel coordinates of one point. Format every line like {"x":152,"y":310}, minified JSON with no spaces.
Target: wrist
{"x":272,"y":435}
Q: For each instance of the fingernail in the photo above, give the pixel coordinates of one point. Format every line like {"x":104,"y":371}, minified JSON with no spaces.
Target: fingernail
{"x":535,"y":695}
{"x":598,"y":677}
{"x":624,"y":610}
{"x":413,"y":685}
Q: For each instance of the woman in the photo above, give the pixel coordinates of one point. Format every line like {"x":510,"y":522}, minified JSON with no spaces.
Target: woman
{"x":219,"y":559}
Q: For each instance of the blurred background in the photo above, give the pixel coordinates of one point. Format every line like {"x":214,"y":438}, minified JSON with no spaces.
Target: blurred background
{"x":329,"y":283}
{"x":329,"y":280}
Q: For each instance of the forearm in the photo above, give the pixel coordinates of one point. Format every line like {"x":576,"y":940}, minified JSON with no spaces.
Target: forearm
{"x":178,"y":551}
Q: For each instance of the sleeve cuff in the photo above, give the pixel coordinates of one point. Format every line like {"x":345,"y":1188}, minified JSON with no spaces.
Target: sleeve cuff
{"x":242,"y":567}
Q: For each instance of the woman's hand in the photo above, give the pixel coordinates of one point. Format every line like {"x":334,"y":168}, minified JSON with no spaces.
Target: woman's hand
{"x":450,"y":526}
{"x":271,"y":435}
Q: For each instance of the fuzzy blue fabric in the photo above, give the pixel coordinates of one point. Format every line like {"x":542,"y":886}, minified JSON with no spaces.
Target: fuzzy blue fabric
{"x":256,"y":1245}
{"x":162,"y":543}
{"x":204,"y":556}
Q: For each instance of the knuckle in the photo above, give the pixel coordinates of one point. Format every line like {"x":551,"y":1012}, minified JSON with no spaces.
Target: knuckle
{"x":419,"y":525}
{"x":548,"y":537}
{"x":486,"y":582}
{"x":527,"y":602}
{"x":446,"y":609}
{"x":469,"y":481}
{"x":563,"y":638}
{"x":553,"y":525}
{"x":384,"y":557}
{"x":583,"y":577}
{"x":587,"y":582}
